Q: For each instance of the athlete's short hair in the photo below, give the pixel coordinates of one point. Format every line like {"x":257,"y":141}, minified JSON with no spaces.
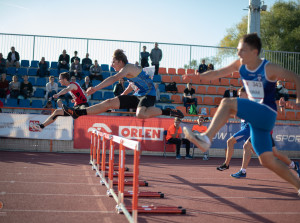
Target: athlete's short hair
{"x":119,"y":55}
{"x":65,"y":75}
{"x":253,"y":41}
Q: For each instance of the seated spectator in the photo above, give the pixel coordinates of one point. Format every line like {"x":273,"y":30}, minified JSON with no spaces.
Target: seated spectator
{"x":26,"y":88}
{"x":43,"y":68}
{"x":174,"y":136}
{"x":51,"y":88}
{"x":201,"y":128}
{"x":96,"y":72}
{"x":75,"y":57}
{"x":86,"y":85}
{"x":13,"y":58}
{"x":119,"y":87}
{"x":4,"y":86}
{"x":63,"y":61}
{"x":188,"y":97}
{"x":48,"y":106}
{"x":76,"y":69}
{"x":2,"y":64}
{"x":210,"y":66}
{"x":230,"y":93}
{"x":14,"y":87}
{"x":87,"y":62}
{"x":202,"y":67}
{"x":281,"y":91}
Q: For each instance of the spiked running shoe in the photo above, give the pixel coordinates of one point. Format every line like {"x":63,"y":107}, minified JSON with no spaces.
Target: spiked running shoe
{"x":70,"y":111}
{"x":238,"y":175}
{"x":175,"y":113}
{"x":297,"y":169}
{"x":223,"y":167}
{"x":199,"y":139}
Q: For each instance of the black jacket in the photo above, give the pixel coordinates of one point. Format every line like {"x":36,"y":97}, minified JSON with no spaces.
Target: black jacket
{"x":227,"y":94}
{"x":17,"y":56}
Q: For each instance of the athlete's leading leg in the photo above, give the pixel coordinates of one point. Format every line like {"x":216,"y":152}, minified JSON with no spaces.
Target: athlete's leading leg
{"x":50,"y":119}
{"x":284,"y":158}
{"x":144,"y":112}
{"x":228,"y":154}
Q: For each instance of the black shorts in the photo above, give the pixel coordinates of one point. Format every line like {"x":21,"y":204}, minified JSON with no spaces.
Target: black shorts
{"x":80,"y":106}
{"x":131,"y":101}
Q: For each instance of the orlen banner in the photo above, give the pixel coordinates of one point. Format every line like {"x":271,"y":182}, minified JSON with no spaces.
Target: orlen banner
{"x":150,"y":132}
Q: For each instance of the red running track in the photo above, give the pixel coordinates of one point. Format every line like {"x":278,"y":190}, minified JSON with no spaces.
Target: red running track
{"x":53,"y":187}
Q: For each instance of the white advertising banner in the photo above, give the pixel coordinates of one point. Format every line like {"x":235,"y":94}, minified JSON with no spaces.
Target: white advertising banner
{"x":21,"y":126}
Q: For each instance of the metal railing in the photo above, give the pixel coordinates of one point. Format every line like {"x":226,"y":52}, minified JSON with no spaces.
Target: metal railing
{"x":33,"y":47}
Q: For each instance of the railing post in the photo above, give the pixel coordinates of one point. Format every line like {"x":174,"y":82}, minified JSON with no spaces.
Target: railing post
{"x":33,"y":47}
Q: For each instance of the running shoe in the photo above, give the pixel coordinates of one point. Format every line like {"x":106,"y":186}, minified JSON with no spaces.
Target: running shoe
{"x":188,"y":157}
{"x":70,"y":111}
{"x":199,"y":139}
{"x":238,"y":175}
{"x":296,"y":168}
{"x":175,"y":113}
{"x":178,"y":157}
{"x":205,"y":157}
{"x":37,"y":127}
{"x":223,"y":167}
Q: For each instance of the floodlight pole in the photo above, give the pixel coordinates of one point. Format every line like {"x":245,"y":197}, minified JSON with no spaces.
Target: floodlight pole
{"x":254,"y":17}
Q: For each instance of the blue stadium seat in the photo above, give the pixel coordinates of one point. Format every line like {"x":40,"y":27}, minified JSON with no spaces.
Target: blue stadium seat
{"x":164,"y":96}
{"x":126,"y":83}
{"x":34,"y":63}
{"x":32,"y":80}
{"x":86,"y":73}
{"x":112,"y":69}
{"x":32,"y":72}
{"x":41,"y":81}
{"x":95,"y":82}
{"x":22,"y":71}
{"x":159,"y":106}
{"x":97,"y":95}
{"x":105,"y":67}
{"x":162,"y":87}
{"x":12,"y":102}
{"x":9,"y":78}
{"x":39,"y":93}
{"x":71,"y":104}
{"x":108,"y":95}
{"x":169,"y":106}
{"x":63,"y":70}
{"x":54,"y":65}
{"x":24,"y":103}
{"x":37,"y":104}
{"x":157,"y":78}
{"x":24,"y":63}
{"x":47,"y":62}
{"x":11,"y":70}
{"x":110,"y":87}
{"x":53,"y":72}
{"x":105,"y":75}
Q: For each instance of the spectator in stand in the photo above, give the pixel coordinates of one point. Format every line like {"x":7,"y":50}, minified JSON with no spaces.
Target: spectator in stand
{"x":188,"y":97}
{"x":210,"y":66}
{"x":200,"y":128}
{"x":96,"y":72}
{"x":281,"y":91}
{"x":63,"y":61}
{"x":59,"y":103}
{"x":144,"y":57}
{"x":230,"y":93}
{"x":202,"y":67}
{"x":14,"y":87}
{"x":76,"y":69}
{"x":73,"y":79}
{"x":26,"y":88}
{"x":86,"y":85}
{"x":48,"y":106}
{"x":43,"y":68}
{"x":156,"y":56}
{"x":75,"y":57}
{"x":2,"y":64}
{"x":51,"y":88}
{"x":13,"y":58}
{"x":87,"y":62}
{"x":4,"y":86}
{"x":119,"y":88}
{"x":174,"y":136}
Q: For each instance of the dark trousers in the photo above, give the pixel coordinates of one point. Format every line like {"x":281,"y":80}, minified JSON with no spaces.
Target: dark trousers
{"x":178,"y":143}
{"x":144,"y":63}
{"x":156,"y":68}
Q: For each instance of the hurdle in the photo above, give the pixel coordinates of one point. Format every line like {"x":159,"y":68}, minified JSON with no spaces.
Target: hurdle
{"x":96,"y":138}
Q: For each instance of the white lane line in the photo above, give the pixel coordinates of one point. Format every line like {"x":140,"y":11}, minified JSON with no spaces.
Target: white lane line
{"x":60,"y":211}
{"x":67,"y":195}
{"x":246,"y":212}
{"x":39,"y":174}
{"x":34,"y":182}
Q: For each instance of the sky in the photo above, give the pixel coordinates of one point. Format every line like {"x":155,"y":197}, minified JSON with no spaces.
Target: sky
{"x":196,"y":22}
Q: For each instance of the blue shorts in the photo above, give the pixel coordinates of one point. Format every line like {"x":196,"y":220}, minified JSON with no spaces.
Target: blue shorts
{"x":261,"y":119}
{"x":242,"y":135}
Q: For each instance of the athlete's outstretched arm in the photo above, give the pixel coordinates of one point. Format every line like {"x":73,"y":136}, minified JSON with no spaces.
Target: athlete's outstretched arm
{"x":65,"y":90}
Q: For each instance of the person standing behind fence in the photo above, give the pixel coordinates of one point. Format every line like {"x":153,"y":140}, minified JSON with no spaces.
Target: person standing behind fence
{"x":13,"y":58}
{"x":75,"y":57}
{"x":76,"y":69}
{"x":43,"y":68}
{"x":202,"y":67}
{"x":144,"y":57}
{"x":63,"y":61}
{"x":156,"y":56}
{"x":86,"y":63}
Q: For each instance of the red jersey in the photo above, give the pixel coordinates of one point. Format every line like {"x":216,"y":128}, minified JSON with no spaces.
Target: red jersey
{"x":78,"y":95}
